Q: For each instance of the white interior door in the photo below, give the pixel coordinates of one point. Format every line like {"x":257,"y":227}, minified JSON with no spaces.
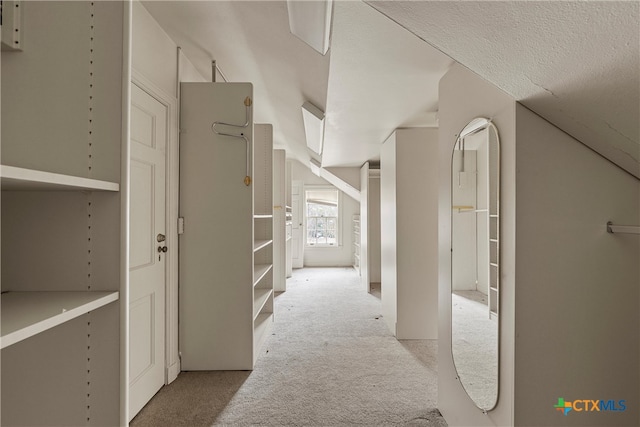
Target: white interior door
{"x":297,"y":228}
{"x":147,"y":264}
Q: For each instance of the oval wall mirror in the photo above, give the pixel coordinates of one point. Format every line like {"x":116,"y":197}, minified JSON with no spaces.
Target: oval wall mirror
{"x":475,"y":260}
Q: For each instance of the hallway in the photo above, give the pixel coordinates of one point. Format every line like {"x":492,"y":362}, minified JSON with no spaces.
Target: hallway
{"x":330,"y":361}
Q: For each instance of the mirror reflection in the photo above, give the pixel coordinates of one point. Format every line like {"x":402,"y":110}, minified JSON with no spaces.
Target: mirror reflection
{"x":475,"y":257}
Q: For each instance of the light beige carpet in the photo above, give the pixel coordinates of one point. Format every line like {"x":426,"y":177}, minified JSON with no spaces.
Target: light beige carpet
{"x":330,"y":361}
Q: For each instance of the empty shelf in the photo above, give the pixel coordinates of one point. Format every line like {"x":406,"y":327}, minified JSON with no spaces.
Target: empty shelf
{"x":261,"y":326}
{"x":262,"y":216}
{"x":259,"y":271}
{"x":260,"y":298}
{"x":25,"y":314}
{"x":259,"y":244}
{"x":21,"y":179}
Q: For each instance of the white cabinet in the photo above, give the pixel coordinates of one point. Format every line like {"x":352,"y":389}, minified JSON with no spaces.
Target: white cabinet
{"x":226,"y":251}
{"x":63,"y":266}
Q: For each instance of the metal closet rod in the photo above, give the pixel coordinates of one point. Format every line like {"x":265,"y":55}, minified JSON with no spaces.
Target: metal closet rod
{"x":627,"y":229}
{"x":247,"y":104}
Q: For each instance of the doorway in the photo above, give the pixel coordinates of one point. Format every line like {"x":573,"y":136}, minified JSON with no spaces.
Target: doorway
{"x":153,"y":350}
{"x":147,"y":247}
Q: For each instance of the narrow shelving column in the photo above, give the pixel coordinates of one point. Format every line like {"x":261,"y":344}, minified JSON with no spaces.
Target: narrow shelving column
{"x":288,"y":238}
{"x":356,"y":242}
{"x":263,"y":228}
{"x":279,"y":222}
{"x":493,"y":154}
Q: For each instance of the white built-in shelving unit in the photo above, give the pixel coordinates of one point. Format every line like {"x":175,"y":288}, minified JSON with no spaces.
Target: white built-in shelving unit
{"x":263,"y":229}
{"x":26,"y":314}
{"x":494,"y":229}
{"x":356,"y":242}
{"x":226,"y":264}
{"x":63,"y":225}
{"x":494,"y":266}
{"x":288,"y":239}
{"x":279,"y":221}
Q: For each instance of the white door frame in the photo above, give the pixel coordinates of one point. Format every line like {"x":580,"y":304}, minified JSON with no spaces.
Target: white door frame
{"x":172,"y":360}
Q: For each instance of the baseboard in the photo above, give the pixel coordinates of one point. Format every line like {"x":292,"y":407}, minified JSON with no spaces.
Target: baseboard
{"x":172,"y":372}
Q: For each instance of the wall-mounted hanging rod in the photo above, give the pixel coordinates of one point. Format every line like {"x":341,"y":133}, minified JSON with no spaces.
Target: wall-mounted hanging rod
{"x":247,"y":104}
{"x":627,"y":229}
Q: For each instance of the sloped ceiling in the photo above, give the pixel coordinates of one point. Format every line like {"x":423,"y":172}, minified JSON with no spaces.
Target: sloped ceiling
{"x":575,"y":63}
{"x":366,"y":84}
{"x":381,"y":77}
{"x":251,"y":42}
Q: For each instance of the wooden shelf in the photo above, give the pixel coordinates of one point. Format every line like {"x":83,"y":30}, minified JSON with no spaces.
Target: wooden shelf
{"x":25,"y":314}
{"x":260,"y":298}
{"x":20,"y":179}
{"x":259,"y":244}
{"x":259,"y":271}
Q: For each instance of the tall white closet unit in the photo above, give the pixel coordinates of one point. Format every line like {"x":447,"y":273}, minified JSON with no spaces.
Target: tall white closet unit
{"x":409,"y":227}
{"x":63,"y":200}
{"x":280,"y":212}
{"x":226,"y":251}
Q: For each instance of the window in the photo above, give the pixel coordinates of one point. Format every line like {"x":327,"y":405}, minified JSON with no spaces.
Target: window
{"x":322,"y":214}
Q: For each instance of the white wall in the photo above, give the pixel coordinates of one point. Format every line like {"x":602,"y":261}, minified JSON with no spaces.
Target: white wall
{"x":329,"y":257}
{"x":409,"y":224}
{"x":577,"y":287}
{"x":155,"y":54}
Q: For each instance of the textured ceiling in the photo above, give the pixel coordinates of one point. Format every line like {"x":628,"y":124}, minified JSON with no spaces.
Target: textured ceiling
{"x":575,"y":63}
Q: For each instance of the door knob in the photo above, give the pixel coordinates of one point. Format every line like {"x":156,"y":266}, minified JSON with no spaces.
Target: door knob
{"x":161,"y":238}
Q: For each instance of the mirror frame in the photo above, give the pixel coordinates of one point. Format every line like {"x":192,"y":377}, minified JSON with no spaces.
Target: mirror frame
{"x":476,"y":125}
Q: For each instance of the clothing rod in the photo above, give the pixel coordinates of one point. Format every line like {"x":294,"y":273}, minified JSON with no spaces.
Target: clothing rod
{"x":627,"y":229}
